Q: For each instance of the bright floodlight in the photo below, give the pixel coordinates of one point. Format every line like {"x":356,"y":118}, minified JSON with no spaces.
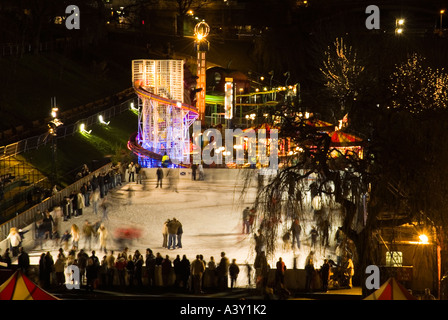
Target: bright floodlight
{"x":54,"y":112}
{"x":82,"y":128}
{"x":101,"y":119}
{"x":423,"y":238}
{"x":400,"y":22}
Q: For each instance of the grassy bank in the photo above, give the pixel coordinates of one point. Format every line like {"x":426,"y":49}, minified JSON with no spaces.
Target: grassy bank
{"x":94,"y":149}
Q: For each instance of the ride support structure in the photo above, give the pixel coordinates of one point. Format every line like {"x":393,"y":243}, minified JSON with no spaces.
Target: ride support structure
{"x":163,"y":119}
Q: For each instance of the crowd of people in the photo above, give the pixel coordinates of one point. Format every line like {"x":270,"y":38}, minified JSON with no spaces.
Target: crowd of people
{"x":127,"y":271}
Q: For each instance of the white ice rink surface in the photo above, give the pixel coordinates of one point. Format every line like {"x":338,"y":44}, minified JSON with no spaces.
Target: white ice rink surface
{"x":210,"y":212}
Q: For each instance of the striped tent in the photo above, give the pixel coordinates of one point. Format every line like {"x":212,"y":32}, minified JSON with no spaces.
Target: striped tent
{"x":320,"y":124}
{"x":19,"y":287}
{"x":343,"y":139}
{"x":391,"y":290}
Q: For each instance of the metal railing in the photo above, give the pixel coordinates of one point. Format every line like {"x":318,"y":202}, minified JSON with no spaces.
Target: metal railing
{"x":29,"y":216}
{"x":33,"y":143}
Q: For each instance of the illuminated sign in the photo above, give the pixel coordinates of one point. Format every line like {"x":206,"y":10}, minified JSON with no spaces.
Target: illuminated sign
{"x":228,"y":98}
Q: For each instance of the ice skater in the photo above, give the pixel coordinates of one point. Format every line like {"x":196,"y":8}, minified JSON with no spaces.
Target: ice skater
{"x":159,"y":177}
{"x":105,"y":207}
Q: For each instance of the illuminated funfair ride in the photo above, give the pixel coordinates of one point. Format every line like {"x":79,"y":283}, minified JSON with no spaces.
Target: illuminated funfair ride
{"x":163,"y":119}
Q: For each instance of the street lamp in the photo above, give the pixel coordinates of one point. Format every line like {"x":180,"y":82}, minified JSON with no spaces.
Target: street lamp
{"x":399,"y":24}
{"x":441,"y":16}
{"x":201,"y":30}
{"x":423,"y":238}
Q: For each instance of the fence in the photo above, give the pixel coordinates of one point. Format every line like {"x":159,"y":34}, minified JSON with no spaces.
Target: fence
{"x":33,"y":143}
{"x":29,"y":216}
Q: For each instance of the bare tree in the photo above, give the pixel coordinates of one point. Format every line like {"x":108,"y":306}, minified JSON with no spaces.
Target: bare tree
{"x":342,"y":70}
{"x":416,"y":87}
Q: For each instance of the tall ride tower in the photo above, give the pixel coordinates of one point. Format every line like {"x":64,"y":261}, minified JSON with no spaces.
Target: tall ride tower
{"x":163,"y":119}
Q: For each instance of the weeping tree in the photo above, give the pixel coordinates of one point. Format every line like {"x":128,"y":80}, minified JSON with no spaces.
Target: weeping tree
{"x":402,"y":173}
{"x":342,"y":179}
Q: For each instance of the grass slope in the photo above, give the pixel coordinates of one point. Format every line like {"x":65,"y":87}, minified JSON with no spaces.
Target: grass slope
{"x":103,"y":143}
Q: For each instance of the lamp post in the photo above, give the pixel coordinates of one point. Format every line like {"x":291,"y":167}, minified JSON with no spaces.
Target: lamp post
{"x":201,"y":30}
{"x":441,"y":17}
{"x":399,"y":24}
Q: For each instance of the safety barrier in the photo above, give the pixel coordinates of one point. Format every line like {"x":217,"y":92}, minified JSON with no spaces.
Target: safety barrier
{"x":35,"y":142}
{"x":29,"y":216}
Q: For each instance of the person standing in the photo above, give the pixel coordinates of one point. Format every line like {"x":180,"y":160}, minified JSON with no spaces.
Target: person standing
{"x":110,"y":262}
{"x":92,"y":269}
{"x":186,"y":271}
{"x":159,"y":173}
{"x":325,"y":233}
{"x":296,"y":229}
{"x":325,"y":275}
{"x":74,"y":231}
{"x":120,"y":266}
{"x":428,"y":295}
{"x":173,"y":227}
{"x":201,"y":172}
{"x":234,"y":270}
{"x":82,"y":258}
{"x":131,"y":171}
{"x":309,"y":269}
{"x":246,"y":221}
{"x":180,"y":231}
{"x":165,"y":160}
{"x":194,"y":169}
{"x":138,"y":261}
{"x":95,"y":199}
{"x":280,"y":272}
{"x":166,"y":270}
{"x":223,"y":271}
{"x":150,"y":267}
{"x":177,"y":271}
{"x":49,"y":265}
{"x":259,"y":242}
{"x":165,"y":233}
{"x":42,"y":272}
{"x":130,"y":268}
{"x":261,"y":272}
{"x":197,"y":271}
{"x":87,"y":232}
{"x":314,"y":235}
{"x":59,"y":267}
{"x":104,"y":208}
{"x":23,"y":260}
{"x":103,"y":236}
{"x":102,"y":185}
{"x":350,"y":271}
{"x":138,"y":172}
{"x":14,"y":241}
{"x":173,"y":179}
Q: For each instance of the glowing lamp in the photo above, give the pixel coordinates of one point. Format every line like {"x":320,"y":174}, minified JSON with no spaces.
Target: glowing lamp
{"x":423,"y":238}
